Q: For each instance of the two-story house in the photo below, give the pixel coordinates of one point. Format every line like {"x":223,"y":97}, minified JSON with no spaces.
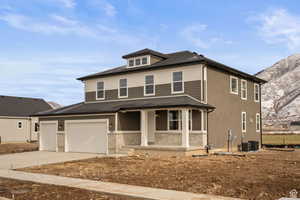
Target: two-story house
{"x":158,"y":103}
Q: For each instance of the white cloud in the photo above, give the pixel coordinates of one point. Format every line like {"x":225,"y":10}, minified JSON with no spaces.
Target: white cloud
{"x":63,"y":20}
{"x":104,"y":5}
{"x":278,"y":26}
{"x":195,"y":35}
{"x":67,"y":3}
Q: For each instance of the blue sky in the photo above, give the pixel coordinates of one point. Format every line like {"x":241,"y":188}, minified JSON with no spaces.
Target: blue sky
{"x":46,"y":44}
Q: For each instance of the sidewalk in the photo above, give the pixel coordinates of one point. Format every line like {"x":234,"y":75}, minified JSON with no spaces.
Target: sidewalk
{"x":110,"y":188}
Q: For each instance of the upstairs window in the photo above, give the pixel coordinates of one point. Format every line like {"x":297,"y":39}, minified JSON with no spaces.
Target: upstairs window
{"x":257,"y":122}
{"x":137,"y":61}
{"x":123,"y":89}
{"x":256,"y":93}
{"x":131,"y":63}
{"x":149,"y":88}
{"x":234,"y":85}
{"x":174,"y":120}
{"x":244,"y":122}
{"x":244,"y":89}
{"x":177,"y":82}
{"x":144,"y":60}
{"x":100,"y":90}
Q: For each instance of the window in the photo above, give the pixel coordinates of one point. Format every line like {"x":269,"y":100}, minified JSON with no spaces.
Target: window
{"x":177,"y":82}
{"x":36,"y":127}
{"x":257,"y":122}
{"x":144,"y":60}
{"x":20,"y":125}
{"x":244,"y":122}
{"x":149,"y":85}
{"x":234,"y":85}
{"x":131,"y":63}
{"x":137,"y":61}
{"x":256,"y":93}
{"x":123,"y":90}
{"x":244,"y":89}
{"x":174,"y":120}
{"x":100,"y":90}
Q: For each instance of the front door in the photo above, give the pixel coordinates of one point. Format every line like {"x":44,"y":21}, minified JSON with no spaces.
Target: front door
{"x":151,"y":127}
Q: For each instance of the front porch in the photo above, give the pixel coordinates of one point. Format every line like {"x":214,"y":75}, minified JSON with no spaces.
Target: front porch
{"x":165,"y":131}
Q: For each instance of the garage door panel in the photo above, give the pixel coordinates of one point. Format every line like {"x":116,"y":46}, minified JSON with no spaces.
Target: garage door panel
{"x":48,"y":136}
{"x":86,"y":136}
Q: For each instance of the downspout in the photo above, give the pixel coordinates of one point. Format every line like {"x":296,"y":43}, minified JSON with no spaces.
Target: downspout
{"x":260,"y":116}
{"x":207,"y":140}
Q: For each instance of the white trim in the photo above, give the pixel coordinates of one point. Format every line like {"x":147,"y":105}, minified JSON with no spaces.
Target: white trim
{"x":237,"y":85}
{"x":244,"y":131}
{"x":121,"y":132}
{"x":242,"y":89}
{"x":63,"y":116}
{"x":138,"y":57}
{"x":116,"y":121}
{"x":257,"y":130}
{"x":122,"y":88}
{"x":98,"y":90}
{"x":257,"y":101}
{"x":182,"y":95}
{"x":168,"y":131}
{"x":152,"y":94}
{"x":172,"y":81}
{"x":9,"y":117}
{"x":202,"y":120}
{"x":205,"y":80}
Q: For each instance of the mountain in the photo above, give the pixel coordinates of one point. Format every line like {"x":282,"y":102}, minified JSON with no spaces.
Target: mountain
{"x":281,"y":95}
{"x":54,"y":105}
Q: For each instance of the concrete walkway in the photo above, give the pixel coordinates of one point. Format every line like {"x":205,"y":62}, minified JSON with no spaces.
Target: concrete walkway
{"x":110,"y":188}
{"x":36,"y":158}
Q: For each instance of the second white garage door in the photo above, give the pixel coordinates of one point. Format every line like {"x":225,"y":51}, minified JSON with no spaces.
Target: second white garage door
{"x":88,"y":136}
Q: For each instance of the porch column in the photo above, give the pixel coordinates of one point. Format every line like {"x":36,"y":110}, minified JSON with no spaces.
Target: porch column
{"x":185,"y":128}
{"x":144,"y":128}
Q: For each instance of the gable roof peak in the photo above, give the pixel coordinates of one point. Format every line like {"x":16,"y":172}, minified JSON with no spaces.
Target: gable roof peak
{"x":143,"y":52}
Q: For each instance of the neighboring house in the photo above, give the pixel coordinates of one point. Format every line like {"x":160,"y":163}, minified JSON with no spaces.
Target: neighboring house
{"x":16,"y":123}
{"x":177,"y":102}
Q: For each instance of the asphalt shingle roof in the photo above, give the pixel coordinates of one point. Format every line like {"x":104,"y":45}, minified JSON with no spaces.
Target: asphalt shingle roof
{"x":21,"y":107}
{"x":177,"y":58}
{"x":115,"y":106}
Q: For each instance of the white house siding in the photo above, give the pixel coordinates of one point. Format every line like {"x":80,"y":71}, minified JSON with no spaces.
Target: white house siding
{"x":10,"y":132}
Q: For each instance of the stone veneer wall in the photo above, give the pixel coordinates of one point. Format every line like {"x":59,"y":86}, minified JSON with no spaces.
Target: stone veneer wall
{"x":117,"y":140}
{"x":168,"y":139}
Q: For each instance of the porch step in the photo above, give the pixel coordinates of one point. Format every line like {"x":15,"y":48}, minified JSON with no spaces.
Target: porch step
{"x":126,"y":150}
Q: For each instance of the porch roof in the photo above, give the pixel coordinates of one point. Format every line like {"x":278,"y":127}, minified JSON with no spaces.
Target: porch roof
{"x":115,"y":106}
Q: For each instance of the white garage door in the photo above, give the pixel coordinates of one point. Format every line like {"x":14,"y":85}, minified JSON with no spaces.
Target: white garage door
{"x":48,"y":135}
{"x":87,"y":136}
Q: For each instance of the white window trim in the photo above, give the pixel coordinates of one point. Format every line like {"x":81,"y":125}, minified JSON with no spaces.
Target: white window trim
{"x":237,"y":85}
{"x":152,"y":94}
{"x":98,"y":90}
{"x":179,"y":120}
{"x":257,"y":115}
{"x":21,"y":125}
{"x":242,"y":80}
{"x":120,"y":88}
{"x":177,"y":92}
{"x":138,"y":57}
{"x":191,"y":119}
{"x":257,"y":101}
{"x":244,"y":131}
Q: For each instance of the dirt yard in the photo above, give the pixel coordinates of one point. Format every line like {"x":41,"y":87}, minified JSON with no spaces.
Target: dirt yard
{"x":33,"y":191}
{"x":17,"y":147}
{"x":263,"y":175}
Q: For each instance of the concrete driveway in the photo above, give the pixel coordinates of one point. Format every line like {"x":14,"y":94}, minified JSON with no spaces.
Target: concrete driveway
{"x":28,"y":159}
